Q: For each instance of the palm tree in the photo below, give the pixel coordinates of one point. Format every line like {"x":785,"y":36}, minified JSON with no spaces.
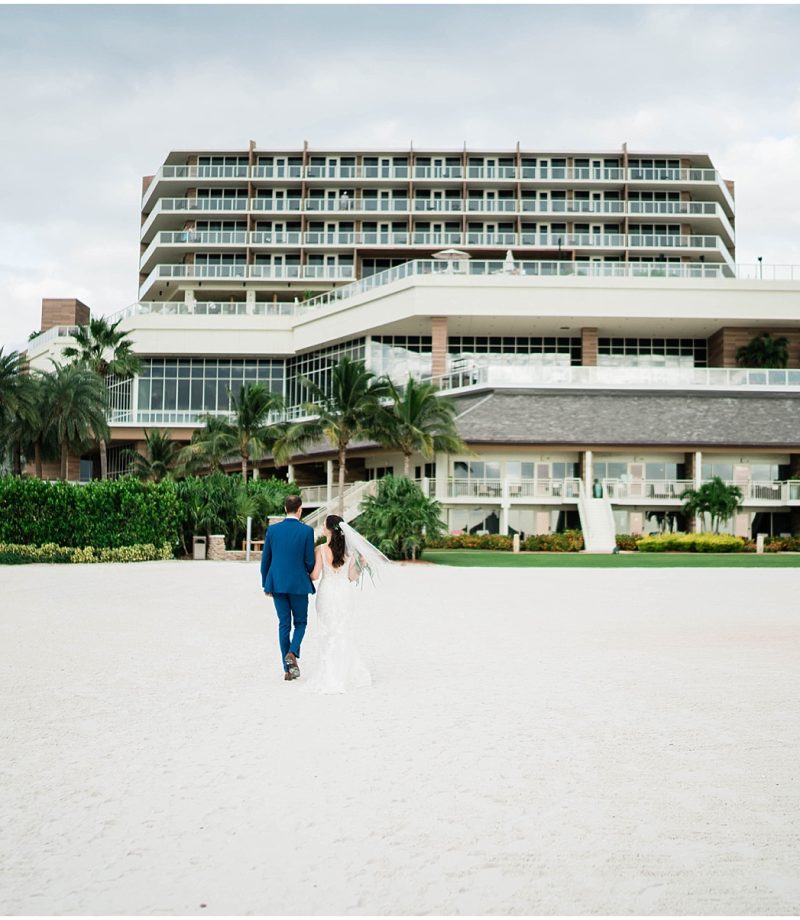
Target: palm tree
{"x":348,"y":411}
{"x":159,"y":460}
{"x":254,"y":437}
{"x":764,"y":351}
{"x":28,"y":430}
{"x":418,"y":421}
{"x":714,"y":498}
{"x":13,"y":404}
{"x":209,"y":446}
{"x":106,"y":351}
{"x":75,"y":399}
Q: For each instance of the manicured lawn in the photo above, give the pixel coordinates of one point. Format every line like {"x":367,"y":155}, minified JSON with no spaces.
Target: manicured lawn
{"x":489,"y":559}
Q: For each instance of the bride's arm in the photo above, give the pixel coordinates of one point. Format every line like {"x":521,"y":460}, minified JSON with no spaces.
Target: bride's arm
{"x":317,"y":570}
{"x":353,"y":572}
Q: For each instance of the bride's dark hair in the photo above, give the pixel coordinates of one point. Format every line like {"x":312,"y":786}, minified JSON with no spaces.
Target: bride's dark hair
{"x":336,"y":541}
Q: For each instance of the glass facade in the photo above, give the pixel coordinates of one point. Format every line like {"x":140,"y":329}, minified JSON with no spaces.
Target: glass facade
{"x":316,"y":366}
{"x":202,"y":384}
{"x":621,"y":352}
{"x":537,"y":349}
{"x":397,"y":356}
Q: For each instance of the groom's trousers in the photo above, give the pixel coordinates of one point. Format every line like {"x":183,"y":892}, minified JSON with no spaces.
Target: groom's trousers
{"x":291,"y":607}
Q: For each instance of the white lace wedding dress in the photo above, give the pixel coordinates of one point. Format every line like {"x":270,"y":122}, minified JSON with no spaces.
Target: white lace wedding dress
{"x":339,"y":667}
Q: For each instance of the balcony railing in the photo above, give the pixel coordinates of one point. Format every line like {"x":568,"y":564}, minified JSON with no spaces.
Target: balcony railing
{"x":504,"y":373}
{"x":661,"y":489}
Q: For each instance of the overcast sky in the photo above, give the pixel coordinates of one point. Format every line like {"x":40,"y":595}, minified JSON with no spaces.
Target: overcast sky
{"x":92,"y":98}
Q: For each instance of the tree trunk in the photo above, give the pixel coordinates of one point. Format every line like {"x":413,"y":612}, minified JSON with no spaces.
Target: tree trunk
{"x":244,"y":468}
{"x":64,"y":460}
{"x":17,"y":458}
{"x":342,"y":472}
{"x":407,"y":465}
{"x":37,"y":458}
{"x":103,"y":459}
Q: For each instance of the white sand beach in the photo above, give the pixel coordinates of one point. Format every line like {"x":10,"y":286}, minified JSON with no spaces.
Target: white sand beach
{"x":536,"y":741}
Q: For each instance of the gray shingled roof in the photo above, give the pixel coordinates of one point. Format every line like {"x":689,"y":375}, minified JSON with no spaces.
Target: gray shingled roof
{"x":604,"y":417}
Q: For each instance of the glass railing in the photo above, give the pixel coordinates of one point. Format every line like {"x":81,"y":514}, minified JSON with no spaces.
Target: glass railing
{"x":202,"y":204}
{"x":438,"y":204}
{"x":319,"y":238}
{"x":277,"y":204}
{"x":277,"y":172}
{"x":492,"y":205}
{"x":670,"y":241}
{"x":202,"y":237}
{"x":438,"y":172}
{"x":276,"y":238}
{"x":505,"y":374}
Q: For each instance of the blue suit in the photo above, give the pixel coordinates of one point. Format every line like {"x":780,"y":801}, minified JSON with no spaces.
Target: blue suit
{"x":286,"y":563}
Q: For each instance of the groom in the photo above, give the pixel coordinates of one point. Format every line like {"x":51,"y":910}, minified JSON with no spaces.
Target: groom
{"x":286,"y":563}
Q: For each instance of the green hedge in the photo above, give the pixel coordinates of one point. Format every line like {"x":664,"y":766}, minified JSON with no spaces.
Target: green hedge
{"x":14,"y":554}
{"x":115,"y":513}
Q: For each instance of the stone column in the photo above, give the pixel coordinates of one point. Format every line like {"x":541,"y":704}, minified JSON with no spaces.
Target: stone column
{"x":216,"y":547}
{"x":438,"y":346}
{"x":589,"y":346}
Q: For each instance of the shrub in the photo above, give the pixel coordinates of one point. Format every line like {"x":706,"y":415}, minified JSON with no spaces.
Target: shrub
{"x":218,"y":503}
{"x":15,"y":554}
{"x":103,"y":514}
{"x":569,"y":541}
{"x":628,"y":542}
{"x":691,"y":543}
{"x":399,"y":519}
{"x":472,"y":541}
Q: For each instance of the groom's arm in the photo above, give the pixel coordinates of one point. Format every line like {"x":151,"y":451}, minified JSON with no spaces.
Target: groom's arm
{"x":309,"y":550}
{"x":266,"y":558}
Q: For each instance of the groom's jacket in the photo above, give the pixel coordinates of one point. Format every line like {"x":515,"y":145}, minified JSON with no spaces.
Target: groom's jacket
{"x":288,"y":558}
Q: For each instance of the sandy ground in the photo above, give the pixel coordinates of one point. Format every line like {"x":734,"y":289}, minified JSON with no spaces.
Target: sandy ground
{"x":535,"y":742}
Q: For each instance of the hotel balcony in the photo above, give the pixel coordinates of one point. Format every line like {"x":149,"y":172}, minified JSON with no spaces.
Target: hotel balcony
{"x":185,"y":241}
{"x":221,"y":276}
{"x":176,"y":179}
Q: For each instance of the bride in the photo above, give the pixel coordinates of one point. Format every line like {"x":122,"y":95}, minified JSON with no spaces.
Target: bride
{"x":340,"y":563}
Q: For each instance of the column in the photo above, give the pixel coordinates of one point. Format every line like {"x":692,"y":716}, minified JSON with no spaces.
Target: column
{"x":589,"y":346}
{"x":587,"y":472}
{"x":329,"y":479}
{"x":441,"y":477}
{"x":505,"y":504}
{"x":290,"y":472}
{"x":697,"y":524}
{"x":438,"y":346}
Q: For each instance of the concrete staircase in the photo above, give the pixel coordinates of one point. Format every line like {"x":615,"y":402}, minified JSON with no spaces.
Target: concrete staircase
{"x":353,"y":496}
{"x":597,"y":523}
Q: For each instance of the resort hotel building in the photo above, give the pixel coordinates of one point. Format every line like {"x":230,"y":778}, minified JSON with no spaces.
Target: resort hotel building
{"x":583,"y":309}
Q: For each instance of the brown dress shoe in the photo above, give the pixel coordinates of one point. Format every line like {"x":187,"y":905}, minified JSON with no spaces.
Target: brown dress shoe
{"x":287,"y":676}
{"x":291,"y":661}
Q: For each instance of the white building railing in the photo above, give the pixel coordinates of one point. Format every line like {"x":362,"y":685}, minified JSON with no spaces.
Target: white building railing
{"x":498,"y":374}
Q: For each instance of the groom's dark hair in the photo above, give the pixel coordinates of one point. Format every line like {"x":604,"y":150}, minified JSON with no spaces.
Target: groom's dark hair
{"x":291,"y":503}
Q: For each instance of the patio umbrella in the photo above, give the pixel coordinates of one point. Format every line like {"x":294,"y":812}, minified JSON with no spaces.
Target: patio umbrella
{"x":451,"y":255}
{"x":509,"y":265}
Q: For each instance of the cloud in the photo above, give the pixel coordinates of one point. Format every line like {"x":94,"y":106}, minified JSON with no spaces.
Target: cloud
{"x":94,"y":97}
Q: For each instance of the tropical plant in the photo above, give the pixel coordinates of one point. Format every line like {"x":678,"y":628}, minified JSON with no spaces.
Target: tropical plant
{"x":714,"y":498}
{"x":418,"y":421}
{"x":764,"y":351}
{"x":209,"y":445}
{"x":254,"y":437}
{"x":400,"y":518}
{"x":159,"y":459}
{"x":75,"y":400}
{"x":101,"y":347}
{"x":19,"y":408}
{"x":346,"y":411}
{"x":247,"y":432}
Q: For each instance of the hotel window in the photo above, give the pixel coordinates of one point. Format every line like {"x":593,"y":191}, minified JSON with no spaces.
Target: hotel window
{"x":198,"y":385}
{"x":612,"y":470}
{"x":316,"y":366}
{"x":665,"y":471}
{"x":558,"y":350}
{"x":622,"y":352}
{"x":400,"y":356}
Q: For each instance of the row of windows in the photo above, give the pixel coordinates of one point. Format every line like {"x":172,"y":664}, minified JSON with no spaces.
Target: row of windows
{"x":697,"y":348}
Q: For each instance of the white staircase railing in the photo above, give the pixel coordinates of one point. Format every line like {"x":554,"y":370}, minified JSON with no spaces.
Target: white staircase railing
{"x":352,"y":496}
{"x":597,"y":523}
